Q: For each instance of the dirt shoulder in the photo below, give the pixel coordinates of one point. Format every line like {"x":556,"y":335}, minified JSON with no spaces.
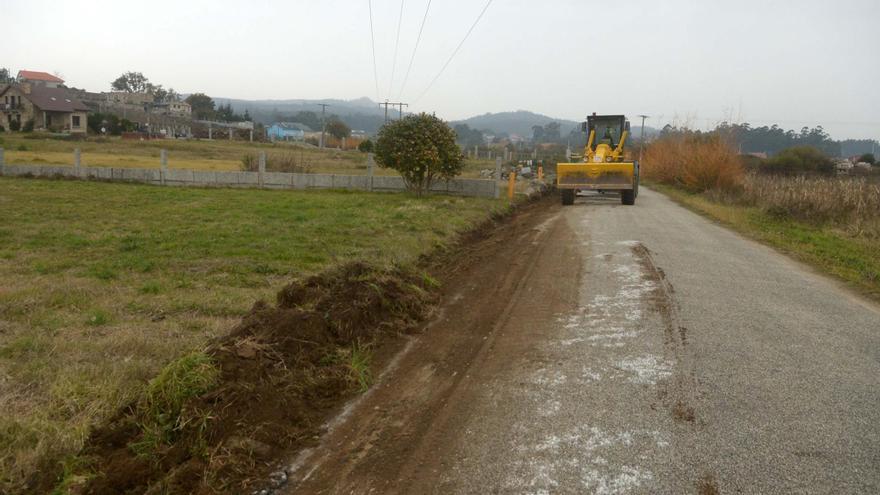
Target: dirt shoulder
{"x":388,"y":439}
{"x":267,"y":390}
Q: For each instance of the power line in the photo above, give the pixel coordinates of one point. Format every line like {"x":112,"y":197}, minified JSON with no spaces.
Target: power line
{"x":396,"y":44}
{"x":373,"y":44}
{"x":413,"y":57}
{"x":455,"y":51}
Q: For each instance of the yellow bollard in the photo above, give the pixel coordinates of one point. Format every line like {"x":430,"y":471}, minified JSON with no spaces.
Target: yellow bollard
{"x":540,"y":173}
{"x":511,"y":185}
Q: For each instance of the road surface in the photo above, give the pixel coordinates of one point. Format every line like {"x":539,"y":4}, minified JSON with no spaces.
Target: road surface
{"x":613,"y":350}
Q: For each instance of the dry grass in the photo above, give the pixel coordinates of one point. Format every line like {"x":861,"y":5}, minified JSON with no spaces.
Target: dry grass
{"x":102,"y":285}
{"x":693,"y":162}
{"x":192,"y":154}
{"x":852,"y":204}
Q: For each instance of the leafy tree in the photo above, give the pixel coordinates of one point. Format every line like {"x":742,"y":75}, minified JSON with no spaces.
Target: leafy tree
{"x":537,"y":133}
{"x":131,"y":82}
{"x":247,"y":116}
{"x":799,"y":160}
{"x":552,"y":133}
{"x":421,"y":148}
{"x":338,"y":129}
{"x":28,"y":126}
{"x":14,"y":125}
{"x":868,"y":158}
{"x":467,"y":137}
{"x":365,"y":146}
{"x":202,"y":106}
{"x":5,"y":76}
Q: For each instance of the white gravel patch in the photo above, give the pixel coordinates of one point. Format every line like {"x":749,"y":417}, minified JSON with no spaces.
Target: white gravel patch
{"x":645,"y":370}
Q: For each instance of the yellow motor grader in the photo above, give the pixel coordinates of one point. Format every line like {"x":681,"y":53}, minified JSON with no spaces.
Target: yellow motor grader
{"x":603,"y":165}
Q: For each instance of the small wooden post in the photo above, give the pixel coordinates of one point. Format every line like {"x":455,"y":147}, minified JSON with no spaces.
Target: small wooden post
{"x":511,"y":185}
{"x":540,"y":172}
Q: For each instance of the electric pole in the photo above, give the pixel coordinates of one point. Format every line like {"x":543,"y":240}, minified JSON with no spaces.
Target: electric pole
{"x":392,"y":104}
{"x":323,"y":122}
{"x":642,"y":138}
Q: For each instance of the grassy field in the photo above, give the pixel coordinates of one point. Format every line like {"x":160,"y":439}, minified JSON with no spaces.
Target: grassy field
{"x":103,"y":284}
{"x":188,"y":154}
{"x":833,"y":247}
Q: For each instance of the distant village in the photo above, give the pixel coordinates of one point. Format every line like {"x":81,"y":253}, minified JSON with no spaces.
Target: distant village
{"x":39,"y":101}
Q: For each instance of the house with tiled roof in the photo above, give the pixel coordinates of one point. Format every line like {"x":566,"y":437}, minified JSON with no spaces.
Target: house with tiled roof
{"x":38,"y":78}
{"x":36,"y":97}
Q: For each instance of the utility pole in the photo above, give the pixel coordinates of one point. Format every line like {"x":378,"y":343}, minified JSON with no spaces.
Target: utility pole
{"x":642,"y":138}
{"x":392,"y":104}
{"x":401,"y":108}
{"x":323,"y":122}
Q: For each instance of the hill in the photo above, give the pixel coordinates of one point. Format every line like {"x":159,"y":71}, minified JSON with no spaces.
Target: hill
{"x":361,"y":113}
{"x":518,"y":122}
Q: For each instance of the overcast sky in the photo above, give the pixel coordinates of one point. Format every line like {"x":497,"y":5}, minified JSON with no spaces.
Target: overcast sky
{"x":797,"y":63}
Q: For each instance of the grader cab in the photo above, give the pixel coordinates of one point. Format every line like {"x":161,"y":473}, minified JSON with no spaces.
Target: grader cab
{"x":604,"y":165}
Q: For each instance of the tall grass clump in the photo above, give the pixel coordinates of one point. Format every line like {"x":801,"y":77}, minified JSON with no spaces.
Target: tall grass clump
{"x":161,"y":409}
{"x":695,"y":162}
{"x":850,"y":203}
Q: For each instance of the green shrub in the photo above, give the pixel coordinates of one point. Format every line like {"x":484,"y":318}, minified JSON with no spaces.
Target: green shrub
{"x":366,"y":146}
{"x":799,"y":160}
{"x":868,"y":158}
{"x":28,"y":126}
{"x":14,"y":125}
{"x":421,"y":148}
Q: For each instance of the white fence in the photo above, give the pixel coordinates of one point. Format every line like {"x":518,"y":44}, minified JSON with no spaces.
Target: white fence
{"x":272,"y":180}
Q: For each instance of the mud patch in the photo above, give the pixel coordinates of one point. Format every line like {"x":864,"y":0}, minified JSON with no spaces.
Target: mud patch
{"x":679,"y":392}
{"x":707,"y":486}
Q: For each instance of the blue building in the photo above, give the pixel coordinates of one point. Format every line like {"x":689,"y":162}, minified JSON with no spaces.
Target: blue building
{"x":287,"y":131}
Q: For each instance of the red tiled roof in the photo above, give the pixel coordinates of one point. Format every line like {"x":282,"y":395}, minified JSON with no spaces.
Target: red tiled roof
{"x":38,"y":76}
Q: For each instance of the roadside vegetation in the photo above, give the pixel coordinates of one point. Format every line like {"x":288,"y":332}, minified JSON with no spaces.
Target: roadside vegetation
{"x":794,"y":201}
{"x":111,"y":293}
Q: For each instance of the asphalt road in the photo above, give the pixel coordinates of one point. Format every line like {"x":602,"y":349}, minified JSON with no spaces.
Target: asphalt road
{"x":643,"y":349}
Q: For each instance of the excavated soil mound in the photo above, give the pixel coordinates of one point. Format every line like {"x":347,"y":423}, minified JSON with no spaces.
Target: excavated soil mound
{"x":282,"y":371}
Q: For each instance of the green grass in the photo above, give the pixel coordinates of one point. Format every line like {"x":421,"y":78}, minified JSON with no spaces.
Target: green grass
{"x":851,"y":259}
{"x":102,"y":285}
{"x":358,"y":361}
{"x":160,"y":410}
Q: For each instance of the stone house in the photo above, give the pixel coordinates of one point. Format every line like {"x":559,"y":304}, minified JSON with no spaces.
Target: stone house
{"x":173,"y":108}
{"x":50,"y":107}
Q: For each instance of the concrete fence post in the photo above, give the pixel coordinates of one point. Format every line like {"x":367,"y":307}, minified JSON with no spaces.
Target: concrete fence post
{"x":210,"y":132}
{"x":163,"y":160}
{"x":252,"y":136}
{"x":497,"y":176}
{"x":2,"y":163}
{"x":261,"y":167}
{"x":370,"y":163}
{"x":77,"y":161}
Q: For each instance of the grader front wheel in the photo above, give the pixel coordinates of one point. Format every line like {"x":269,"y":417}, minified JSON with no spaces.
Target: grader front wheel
{"x":567,"y":197}
{"x":628,"y":197}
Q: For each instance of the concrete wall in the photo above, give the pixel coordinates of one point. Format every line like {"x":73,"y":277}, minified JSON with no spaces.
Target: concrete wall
{"x":271,"y":180}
